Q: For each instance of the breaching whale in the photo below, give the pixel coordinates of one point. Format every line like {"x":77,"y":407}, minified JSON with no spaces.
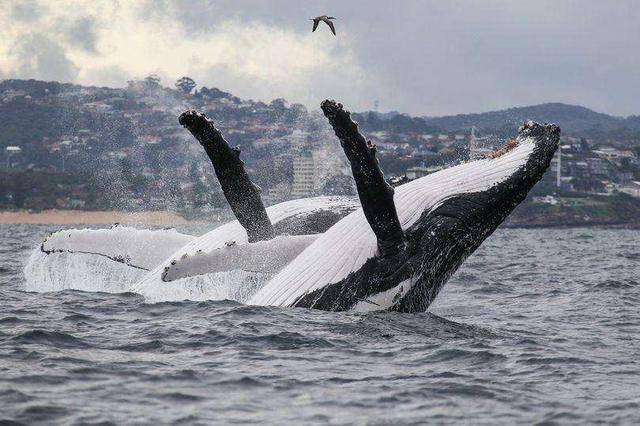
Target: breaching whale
{"x":401,"y":246}
{"x":394,"y":251}
{"x":373,"y":259}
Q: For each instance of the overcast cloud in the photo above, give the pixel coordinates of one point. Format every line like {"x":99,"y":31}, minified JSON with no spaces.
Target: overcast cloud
{"x":422,"y":57}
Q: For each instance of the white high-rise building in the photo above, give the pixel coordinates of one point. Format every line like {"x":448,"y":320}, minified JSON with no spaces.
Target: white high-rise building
{"x":304,"y":175}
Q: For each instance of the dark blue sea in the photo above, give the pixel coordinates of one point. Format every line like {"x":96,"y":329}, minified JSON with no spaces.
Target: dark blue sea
{"x":539,"y":326}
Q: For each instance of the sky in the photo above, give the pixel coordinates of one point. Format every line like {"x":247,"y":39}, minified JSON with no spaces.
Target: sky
{"x":420,"y":57}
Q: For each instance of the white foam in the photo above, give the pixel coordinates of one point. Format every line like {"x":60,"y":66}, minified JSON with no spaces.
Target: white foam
{"x":234,"y":285}
{"x":77,"y":271}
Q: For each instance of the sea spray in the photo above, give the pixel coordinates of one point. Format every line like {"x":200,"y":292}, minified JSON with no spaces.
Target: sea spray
{"x":94,"y":273}
{"x":77,"y":271}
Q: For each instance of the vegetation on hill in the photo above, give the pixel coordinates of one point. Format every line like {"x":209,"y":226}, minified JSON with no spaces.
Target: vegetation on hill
{"x":122,"y":148}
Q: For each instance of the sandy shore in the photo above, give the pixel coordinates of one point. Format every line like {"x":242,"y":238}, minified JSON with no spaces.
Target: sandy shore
{"x":73,"y":217}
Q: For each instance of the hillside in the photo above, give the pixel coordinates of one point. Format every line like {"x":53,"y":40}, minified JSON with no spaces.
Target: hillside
{"x":84,"y":147}
{"x":571,"y":118}
{"x":574,"y":120}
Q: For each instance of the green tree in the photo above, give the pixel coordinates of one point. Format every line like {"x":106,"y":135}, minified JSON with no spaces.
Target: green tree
{"x":152,"y":81}
{"x":185,"y":84}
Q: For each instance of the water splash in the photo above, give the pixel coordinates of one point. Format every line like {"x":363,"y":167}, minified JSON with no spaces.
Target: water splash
{"x":77,"y":271}
{"x":235,"y":285}
{"x":93,"y":273}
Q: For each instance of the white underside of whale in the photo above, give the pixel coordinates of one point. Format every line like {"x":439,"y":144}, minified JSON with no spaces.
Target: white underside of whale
{"x":347,"y":245}
{"x":140,"y":248}
{"x":105,"y":260}
{"x":267,"y":257}
{"x":234,"y":284}
{"x":384,"y":299}
{"x":118,"y":259}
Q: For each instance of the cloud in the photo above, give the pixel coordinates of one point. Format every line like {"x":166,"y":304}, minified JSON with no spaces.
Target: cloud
{"x":106,"y":43}
{"x":423,"y":56}
{"x":81,"y":32}
{"x":42,"y":58}
{"x":27,"y":10}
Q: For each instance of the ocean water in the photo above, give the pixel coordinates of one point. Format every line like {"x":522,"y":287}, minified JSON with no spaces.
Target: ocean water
{"x":538,"y":326}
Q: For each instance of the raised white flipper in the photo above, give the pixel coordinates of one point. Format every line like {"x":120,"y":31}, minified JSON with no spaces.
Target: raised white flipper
{"x":107,"y":260}
{"x":139,"y":248}
{"x":266,"y":257}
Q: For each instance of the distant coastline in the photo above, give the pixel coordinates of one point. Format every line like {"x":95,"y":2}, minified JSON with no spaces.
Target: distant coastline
{"x":79,"y":217}
{"x":171,"y":219}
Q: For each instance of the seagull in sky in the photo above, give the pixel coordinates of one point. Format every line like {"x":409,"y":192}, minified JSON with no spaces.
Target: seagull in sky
{"x":326,"y":19}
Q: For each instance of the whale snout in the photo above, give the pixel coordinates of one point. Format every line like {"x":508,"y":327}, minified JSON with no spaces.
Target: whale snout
{"x":539,"y":131}
{"x":553,"y":130}
{"x":192,"y":119}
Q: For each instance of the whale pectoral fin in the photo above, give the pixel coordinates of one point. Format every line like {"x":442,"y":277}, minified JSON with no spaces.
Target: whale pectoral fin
{"x":376,"y":195}
{"x":138,"y":248}
{"x":241,"y":193}
{"x":267,"y":257}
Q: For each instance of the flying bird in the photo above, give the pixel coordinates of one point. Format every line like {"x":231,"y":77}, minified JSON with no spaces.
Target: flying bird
{"x":326,"y":19}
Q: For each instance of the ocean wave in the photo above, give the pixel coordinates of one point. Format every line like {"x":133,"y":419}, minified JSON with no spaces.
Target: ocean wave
{"x":50,"y":338}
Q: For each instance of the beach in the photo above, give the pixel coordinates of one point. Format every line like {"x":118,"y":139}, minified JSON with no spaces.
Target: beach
{"x":74,"y":217}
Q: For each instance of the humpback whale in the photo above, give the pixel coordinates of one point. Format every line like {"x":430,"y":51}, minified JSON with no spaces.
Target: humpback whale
{"x":392,"y":251}
{"x":164,"y":264}
{"x":376,"y":259}
{"x":397,"y":251}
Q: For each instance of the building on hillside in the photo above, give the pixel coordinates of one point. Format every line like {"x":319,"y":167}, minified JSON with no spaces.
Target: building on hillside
{"x":10,"y":95}
{"x":633,"y":189}
{"x":10,"y":151}
{"x":610,"y":153}
{"x":599,"y":167}
{"x":421,"y":171}
{"x":304,"y":175}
